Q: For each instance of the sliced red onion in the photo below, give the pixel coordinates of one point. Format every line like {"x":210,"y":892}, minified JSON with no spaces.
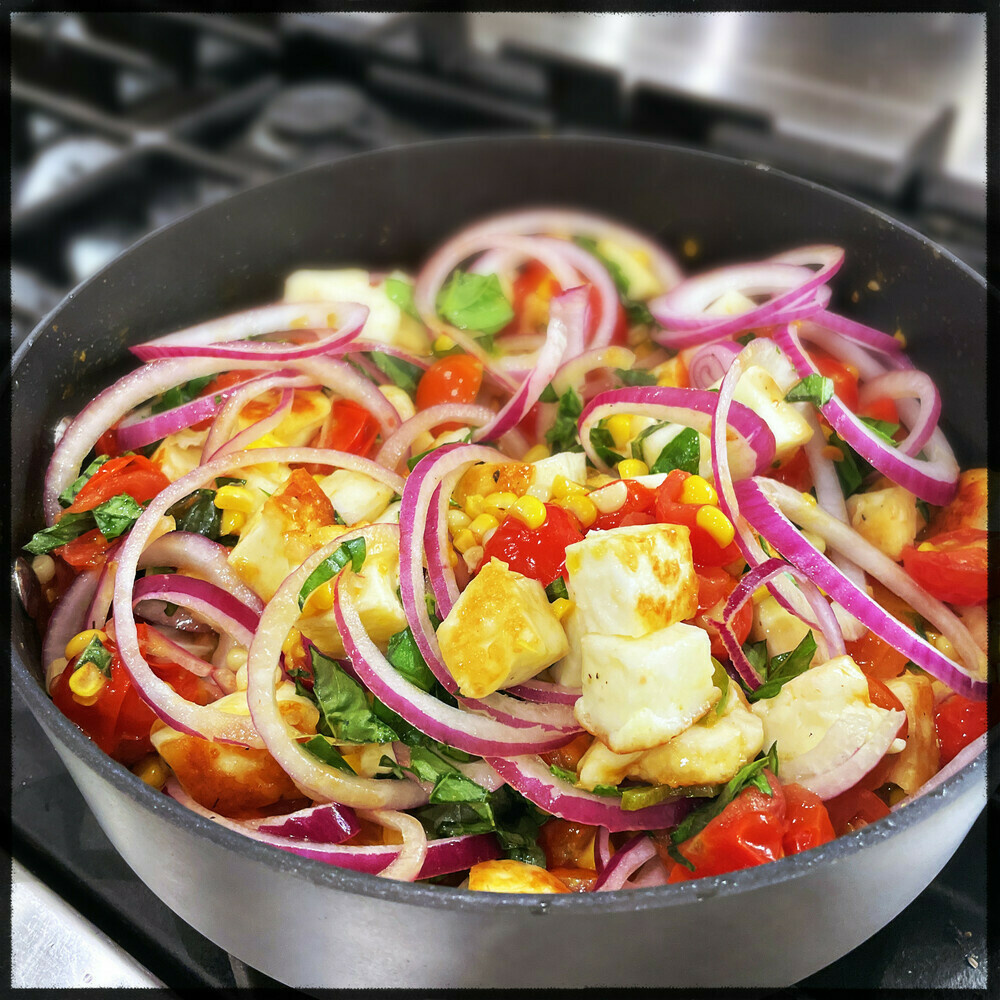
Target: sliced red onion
{"x":327,"y":823}
{"x":904,"y":385}
{"x":396,"y":446}
{"x":215,"y":338}
{"x":68,"y":619}
{"x":711,"y":362}
{"x":768,"y":505}
{"x":602,"y":848}
{"x":348,"y":383}
{"x":858,"y":333}
{"x":626,"y":862}
{"x":531,"y":776}
{"x":164,"y":648}
{"x":437,"y":545}
{"x":652,"y":873}
{"x":246,"y":437}
{"x":409,"y":862}
{"x":573,"y":374}
{"x":963,"y":758}
{"x":753,"y":449}
{"x":545,"y":692}
{"x":846,"y":753}
{"x":934,"y":479}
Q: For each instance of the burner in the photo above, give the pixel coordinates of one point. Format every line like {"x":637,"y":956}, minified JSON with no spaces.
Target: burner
{"x":317,"y":111}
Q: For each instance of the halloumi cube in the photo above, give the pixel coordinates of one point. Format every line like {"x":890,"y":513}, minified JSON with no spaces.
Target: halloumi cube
{"x":508,"y":875}
{"x":569,"y":670}
{"x":919,"y":760}
{"x":640,"y":281}
{"x":571,"y":464}
{"x":780,"y":629}
{"x":641,"y":692}
{"x":887,"y":518}
{"x":306,"y":415}
{"x":501,"y":631}
{"x":180,"y":453}
{"x":758,"y":390}
{"x":355,"y":496}
{"x":634,"y":579}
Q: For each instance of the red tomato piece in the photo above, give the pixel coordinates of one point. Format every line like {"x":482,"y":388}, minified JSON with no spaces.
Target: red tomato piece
{"x":794,"y":472}
{"x":749,"y":831}
{"x":955,"y":570}
{"x":807,"y":823}
{"x":881,"y":696}
{"x":224,"y":380}
{"x":855,"y":808}
{"x":349,"y":427}
{"x":714,"y":587}
{"x":454,"y":379}
{"x":637,"y":508}
{"x":958,"y":721}
{"x":539,"y":553}
{"x":135,"y":475}
{"x":84,"y":551}
{"x":107,"y":443}
{"x":882,"y":408}
{"x":669,"y":509}
{"x":876,"y":657}
{"x":845,"y":381}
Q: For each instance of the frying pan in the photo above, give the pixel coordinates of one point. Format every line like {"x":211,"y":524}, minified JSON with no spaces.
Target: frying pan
{"x":308,"y":924}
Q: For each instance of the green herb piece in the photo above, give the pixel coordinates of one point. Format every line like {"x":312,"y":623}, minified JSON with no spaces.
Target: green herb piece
{"x":636,"y":310}
{"x":169,"y":609}
{"x":751,"y":774}
{"x":411,"y":463}
{"x":784,"y":667}
{"x":882,"y":429}
{"x":720,"y":678}
{"x":68,"y":495}
{"x":745,"y":338}
{"x":566,"y":775}
{"x":94,"y":652}
{"x":637,"y":441}
{"x":851,"y":469}
{"x":635,"y":376}
{"x":604,"y":444}
{"x":221,"y":481}
{"x":413,"y":737}
{"x":548,"y":395}
{"x":323,"y":750}
{"x":562,"y":435}
{"x":637,"y":313}
{"x":924,"y":510}
{"x":181,"y":394}
{"x":197,"y":513}
{"x":756,"y":653}
{"x":345,"y":713}
{"x":68,"y":527}
{"x":642,"y":796}
{"x":683,"y":452}
{"x":815,"y":389}
{"x":450,"y":785}
{"x":475,"y":302}
{"x":351,"y":551}
{"x":400,"y":293}
{"x":405,"y":656}
{"x":557,"y":589}
{"x":403,"y":374}
{"x":115,"y":516}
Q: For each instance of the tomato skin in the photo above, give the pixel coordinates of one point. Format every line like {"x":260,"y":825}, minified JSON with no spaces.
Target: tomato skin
{"x":845,"y":383}
{"x":85,"y":551}
{"x":224,"y":380}
{"x":958,"y":721}
{"x":749,"y":831}
{"x":107,"y":443}
{"x":956,"y":570}
{"x":881,"y":696}
{"x":669,"y":509}
{"x":568,"y":756}
{"x":637,"y":508}
{"x":855,"y":808}
{"x":807,"y":823}
{"x":539,"y":553}
{"x":714,"y":587}
{"x":135,"y":475}
{"x":795,"y":472}
{"x":876,"y":657}
{"x":564,"y":842}
{"x":349,"y":427}
{"x":882,"y":408}
{"x":453,"y":379}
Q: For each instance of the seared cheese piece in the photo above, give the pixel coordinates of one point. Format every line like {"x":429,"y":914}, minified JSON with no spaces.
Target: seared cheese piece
{"x":304,"y":418}
{"x":569,"y":670}
{"x":386,"y":322}
{"x":634,"y":579}
{"x":500,"y":632}
{"x":641,"y":692}
{"x":919,"y":760}
{"x":780,"y":629}
{"x":180,"y":453}
{"x":709,"y":752}
{"x":802,"y":712}
{"x":508,"y":875}
{"x":887,"y":518}
{"x":969,"y":507}
{"x":355,"y":496}
{"x":758,"y":390}
{"x":570,"y":464}
{"x":373,"y":593}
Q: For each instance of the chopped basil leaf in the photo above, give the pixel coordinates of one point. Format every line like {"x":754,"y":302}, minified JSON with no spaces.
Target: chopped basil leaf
{"x":68,"y":527}
{"x":720,"y":678}
{"x":562,"y":435}
{"x":924,"y":510}
{"x":405,"y":656}
{"x":351,"y":551}
{"x":68,"y":495}
{"x":343,"y":706}
{"x":323,"y":750}
{"x":756,"y":653}
{"x":882,"y":429}
{"x":115,"y":516}
{"x":181,"y":394}
{"x":169,"y":609}
{"x":815,"y":389}
{"x":637,"y":441}
{"x":402,"y":373}
{"x":548,"y":395}
{"x":642,"y":796}
{"x":563,"y":773}
{"x":95,"y":653}
{"x":221,"y":481}
{"x":636,"y":310}
{"x":400,"y":293}
{"x":411,"y":463}
{"x":197,"y":513}
{"x":604,"y":444}
{"x":849,"y":471}
{"x":783,"y":667}
{"x":745,"y":338}
{"x":412,"y":737}
{"x":557,"y":589}
{"x":697,"y":820}
{"x":683,"y":452}
{"x":475,"y":302}
{"x":635,"y":376}
{"x":450,"y":785}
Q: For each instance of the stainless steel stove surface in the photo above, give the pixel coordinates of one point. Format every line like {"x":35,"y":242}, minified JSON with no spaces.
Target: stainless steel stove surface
{"x":123,"y":122}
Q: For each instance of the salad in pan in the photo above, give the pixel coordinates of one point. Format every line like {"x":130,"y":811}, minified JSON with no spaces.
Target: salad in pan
{"x":549,"y":568}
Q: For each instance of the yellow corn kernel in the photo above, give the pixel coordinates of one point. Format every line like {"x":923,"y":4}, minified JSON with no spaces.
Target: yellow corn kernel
{"x":497,"y":503}
{"x":832,"y":452}
{"x":712,"y":520}
{"x":482,"y":524}
{"x":562,"y":606}
{"x":464,"y":540}
{"x":44,"y":568}
{"x":563,"y":487}
{"x":944,"y":646}
{"x":672,"y":373}
{"x":927,"y":547}
{"x":443,"y":343}
{"x":452,"y":556}
{"x":322,"y":597}
{"x":698,"y":490}
{"x":237,"y":498}
{"x":86,"y":681}
{"x":620,"y":428}
{"x":231,"y":522}
{"x":475,"y":505}
{"x":529,"y":510}
{"x":582,"y":507}
{"x":152,"y":770}
{"x":760,"y":594}
{"x":631,"y":468}
{"x":809,"y":499}
{"x":457,"y":520}
{"x":537,"y":453}
{"x":81,"y":641}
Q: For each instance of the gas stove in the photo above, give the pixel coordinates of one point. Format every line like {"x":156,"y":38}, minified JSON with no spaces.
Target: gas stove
{"x":123,"y":122}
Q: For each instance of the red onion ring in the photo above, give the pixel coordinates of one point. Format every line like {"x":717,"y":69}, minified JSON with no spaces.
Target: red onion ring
{"x":68,"y":619}
{"x":545,"y":692}
{"x":573,"y":374}
{"x":398,"y":444}
{"x":902,"y":385}
{"x":626,"y":862}
{"x":711,"y":362}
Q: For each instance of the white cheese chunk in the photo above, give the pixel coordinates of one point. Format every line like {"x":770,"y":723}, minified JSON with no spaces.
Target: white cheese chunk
{"x":634,"y":579}
{"x":571,"y":464}
{"x":758,"y":390}
{"x":641,"y":692}
{"x":730,"y":303}
{"x":886,"y":518}
{"x":781,"y":630}
{"x":569,"y":669}
{"x":355,"y":496}
{"x":501,"y":631}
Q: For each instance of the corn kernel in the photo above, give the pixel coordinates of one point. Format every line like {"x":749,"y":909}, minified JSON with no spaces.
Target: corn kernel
{"x":81,"y":641}
{"x":898,"y":335}
{"x":563,"y":487}
{"x":86,"y":681}
{"x":322,"y":597}
{"x":562,"y":606}
{"x":582,"y":507}
{"x":237,"y":498}
{"x":497,"y":504}
{"x":443,"y":343}
{"x":631,"y":468}
{"x":475,"y":505}
{"x":620,"y":428}
{"x":152,"y":770}
{"x":698,"y":490}
{"x":232,"y":522}
{"x":457,"y":520}
{"x":611,"y":498}
{"x":944,"y":646}
{"x":529,"y":510}
{"x":537,"y":453}
{"x":927,"y":547}
{"x":482,"y":524}
{"x":464,"y":540}
{"x":452,"y":556}
{"x":672,"y":373}
{"x":712,"y":520}
{"x":44,"y":568}
{"x":760,"y":594}
{"x":473,"y":557}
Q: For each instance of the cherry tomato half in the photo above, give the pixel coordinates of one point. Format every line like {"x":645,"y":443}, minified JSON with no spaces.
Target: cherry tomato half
{"x":807,"y":823}
{"x":958,"y":721}
{"x":135,"y":475}
{"x":536,"y":552}
{"x":669,"y":509}
{"x":714,"y":587}
{"x":349,"y":427}
{"x":637,"y":508}
{"x":454,"y":379}
{"x":876,"y":657}
{"x":224,"y":380}
{"x":845,"y":382}
{"x":953,"y":571}
{"x":84,"y":551}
